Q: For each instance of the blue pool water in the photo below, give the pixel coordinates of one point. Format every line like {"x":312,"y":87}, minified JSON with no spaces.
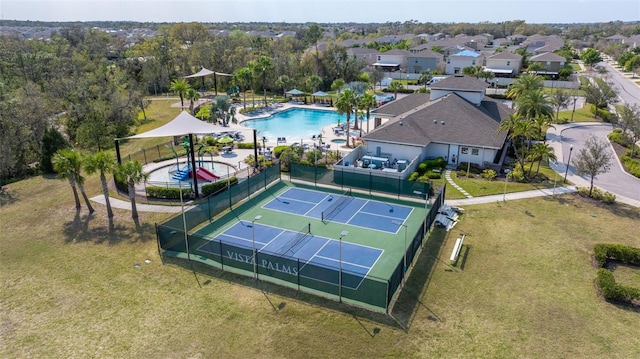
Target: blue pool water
{"x":295,"y":124}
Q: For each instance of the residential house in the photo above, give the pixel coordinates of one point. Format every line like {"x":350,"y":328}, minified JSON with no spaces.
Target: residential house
{"x":504,"y":64}
{"x":423,"y":61}
{"x":615,"y":39}
{"x":392,"y":60}
{"x":462,"y":59}
{"x":456,"y":122}
{"x":370,"y":56}
{"x":551,"y":63}
{"x":539,"y":44}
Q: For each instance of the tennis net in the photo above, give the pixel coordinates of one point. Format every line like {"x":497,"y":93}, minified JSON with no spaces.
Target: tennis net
{"x":289,"y":247}
{"x":336,"y":206}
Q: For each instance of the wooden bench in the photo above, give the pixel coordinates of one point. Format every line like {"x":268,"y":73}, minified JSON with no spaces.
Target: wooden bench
{"x":456,"y":249}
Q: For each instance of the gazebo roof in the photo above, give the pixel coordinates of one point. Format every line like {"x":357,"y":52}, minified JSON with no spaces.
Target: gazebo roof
{"x":182,"y":125}
{"x":205,"y":72}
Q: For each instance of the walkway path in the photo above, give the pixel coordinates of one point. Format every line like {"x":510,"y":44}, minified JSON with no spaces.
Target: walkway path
{"x":447,"y":176}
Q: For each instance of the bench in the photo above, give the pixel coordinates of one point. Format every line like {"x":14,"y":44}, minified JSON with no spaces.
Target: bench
{"x":456,"y":249}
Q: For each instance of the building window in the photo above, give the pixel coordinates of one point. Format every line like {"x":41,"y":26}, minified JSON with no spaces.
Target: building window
{"x":448,"y":61}
{"x":548,"y":63}
{"x":508,"y":63}
{"x":473,"y":62}
{"x":475,"y":151}
{"x":464,"y":150}
{"x":378,"y":58}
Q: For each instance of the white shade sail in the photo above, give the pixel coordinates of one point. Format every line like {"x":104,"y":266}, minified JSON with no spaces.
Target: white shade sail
{"x":182,"y":125}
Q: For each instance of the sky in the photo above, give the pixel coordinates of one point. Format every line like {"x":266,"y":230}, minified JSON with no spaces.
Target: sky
{"x":323,"y":11}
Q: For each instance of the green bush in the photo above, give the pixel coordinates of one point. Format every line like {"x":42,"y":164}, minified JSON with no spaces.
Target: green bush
{"x":618,"y":252}
{"x":422,"y":168}
{"x":414,"y":176}
{"x":499,"y":96}
{"x":433,"y":175}
{"x":613,"y":291}
{"x":597,"y":194}
{"x":245,"y":145}
{"x":169,"y":192}
{"x":217,"y":186}
{"x":631,"y":164}
{"x":489,"y":174}
{"x":278,"y":149}
{"x":516,"y":174}
{"x":620,"y":138}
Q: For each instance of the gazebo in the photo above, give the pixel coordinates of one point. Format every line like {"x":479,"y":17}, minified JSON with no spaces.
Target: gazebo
{"x":184,"y":125}
{"x":206,"y":72}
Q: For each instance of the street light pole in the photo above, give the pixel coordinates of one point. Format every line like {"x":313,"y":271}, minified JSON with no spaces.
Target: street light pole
{"x":566,"y":171}
{"x":342,"y":235}
{"x":253,"y":245}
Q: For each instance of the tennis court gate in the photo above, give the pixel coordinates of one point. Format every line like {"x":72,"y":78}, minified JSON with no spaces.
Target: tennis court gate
{"x":366,"y":181}
{"x":373,"y":293}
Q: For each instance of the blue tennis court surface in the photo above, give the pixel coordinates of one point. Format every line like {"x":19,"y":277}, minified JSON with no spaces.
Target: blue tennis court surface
{"x":316,"y":257}
{"x":341,"y":208}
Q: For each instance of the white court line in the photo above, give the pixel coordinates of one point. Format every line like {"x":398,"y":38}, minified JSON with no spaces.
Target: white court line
{"x":316,"y":253}
{"x":343,"y":262}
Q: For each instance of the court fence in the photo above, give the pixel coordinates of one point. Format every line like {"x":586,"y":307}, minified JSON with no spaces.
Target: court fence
{"x":371,"y":292}
{"x":205,"y":209}
{"x":368,"y":181}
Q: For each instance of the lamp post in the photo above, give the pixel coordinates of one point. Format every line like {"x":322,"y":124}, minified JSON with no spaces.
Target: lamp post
{"x":566,"y":171}
{"x":575,"y":98}
{"x":504,"y":194}
{"x":426,"y":201}
{"x":342,"y":235}
{"x":404,"y":253}
{"x":253,"y":244}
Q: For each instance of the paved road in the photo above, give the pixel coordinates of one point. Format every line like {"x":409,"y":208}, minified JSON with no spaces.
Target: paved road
{"x":628,"y":91}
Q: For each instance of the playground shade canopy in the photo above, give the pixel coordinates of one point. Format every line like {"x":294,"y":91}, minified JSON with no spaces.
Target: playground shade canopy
{"x":320,"y":94}
{"x":205,"y":72}
{"x":183,"y":124}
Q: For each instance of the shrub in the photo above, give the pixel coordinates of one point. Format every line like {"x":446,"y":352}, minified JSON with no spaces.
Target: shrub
{"x":620,"y":138}
{"x":217,"y":186}
{"x":461,"y":173}
{"x":168,"y":192}
{"x":613,"y":291}
{"x":489,"y":174}
{"x":422,"y":168}
{"x":597,"y":194}
{"x":414,"y":176}
{"x":618,"y":252}
{"x":631,"y":164}
{"x":245,"y":145}
{"x":278,"y":149}
{"x":516,"y":174}
{"x":433,"y":175}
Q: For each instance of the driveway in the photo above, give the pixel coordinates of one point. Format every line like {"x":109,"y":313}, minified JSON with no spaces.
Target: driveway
{"x":617,"y":181}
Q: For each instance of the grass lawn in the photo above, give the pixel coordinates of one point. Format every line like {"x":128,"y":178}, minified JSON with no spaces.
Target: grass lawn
{"x":576,"y":67}
{"x":583,"y":114}
{"x":522,"y":288}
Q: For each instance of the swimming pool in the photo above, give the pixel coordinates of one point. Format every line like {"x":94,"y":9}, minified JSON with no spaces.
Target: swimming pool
{"x":295,"y":124}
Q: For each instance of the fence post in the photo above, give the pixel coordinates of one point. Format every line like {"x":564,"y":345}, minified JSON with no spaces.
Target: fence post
{"x":144,"y":154}
{"x":221,"y":257}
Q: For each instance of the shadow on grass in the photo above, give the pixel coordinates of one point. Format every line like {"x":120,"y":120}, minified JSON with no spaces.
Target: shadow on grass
{"x":368,"y":320}
{"x":6,"y":197}
{"x":81,"y":229}
{"x":409,"y":299}
{"x":617,"y":209}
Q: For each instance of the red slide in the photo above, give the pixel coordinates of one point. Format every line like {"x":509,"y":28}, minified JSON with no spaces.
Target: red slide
{"x":206,"y":175}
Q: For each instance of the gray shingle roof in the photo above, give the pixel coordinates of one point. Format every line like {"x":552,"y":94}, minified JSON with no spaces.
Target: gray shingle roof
{"x":548,"y":56}
{"x":464,"y":83}
{"x":464,"y":123}
{"x":505,"y":55}
{"x":405,"y":104}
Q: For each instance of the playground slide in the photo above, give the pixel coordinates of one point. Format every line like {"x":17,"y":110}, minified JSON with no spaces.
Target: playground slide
{"x":206,"y":175}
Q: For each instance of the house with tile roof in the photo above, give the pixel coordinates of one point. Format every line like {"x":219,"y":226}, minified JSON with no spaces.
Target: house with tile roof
{"x":456,"y":121}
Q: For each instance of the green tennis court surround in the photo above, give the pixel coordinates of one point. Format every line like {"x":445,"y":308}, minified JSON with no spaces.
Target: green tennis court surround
{"x":365,"y":268}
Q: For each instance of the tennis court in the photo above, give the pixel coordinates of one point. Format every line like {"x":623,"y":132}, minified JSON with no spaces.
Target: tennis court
{"x":342,"y":208}
{"x":312,"y":252}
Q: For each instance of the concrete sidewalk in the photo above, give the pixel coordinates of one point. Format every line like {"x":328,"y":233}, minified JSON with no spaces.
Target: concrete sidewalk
{"x":141,"y":207}
{"x":511,"y":196}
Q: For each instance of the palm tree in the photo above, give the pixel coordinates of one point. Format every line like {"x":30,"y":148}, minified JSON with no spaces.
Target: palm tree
{"x":242,"y":78}
{"x":180,"y":86}
{"x":337,"y":85}
{"x":104,"y":163}
{"x":366,"y":102}
{"x":284,"y":82}
{"x":542,"y":152}
{"x":395,"y":86}
{"x":263,"y":67}
{"x":221,"y":109}
{"x":131,"y":173}
{"x":534,"y":106}
{"x":425,"y":77}
{"x":345,"y":103}
{"x":192,"y":95}
{"x":65,"y":163}
{"x":313,"y":81}
{"x":69,"y":162}
{"x":525,"y":83}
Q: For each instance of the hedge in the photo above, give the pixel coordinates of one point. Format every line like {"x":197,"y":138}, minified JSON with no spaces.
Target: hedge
{"x":217,"y":186}
{"x":168,"y":192}
{"x":618,"y":252}
{"x":613,"y":291}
